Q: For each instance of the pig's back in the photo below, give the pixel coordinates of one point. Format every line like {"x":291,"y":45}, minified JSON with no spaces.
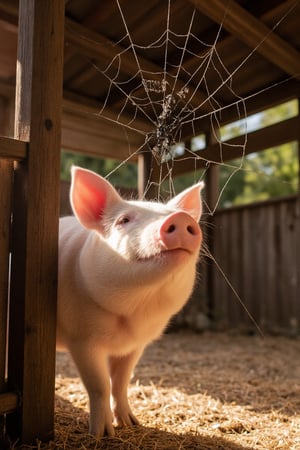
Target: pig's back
{"x":70,"y":231}
{"x":72,"y":237}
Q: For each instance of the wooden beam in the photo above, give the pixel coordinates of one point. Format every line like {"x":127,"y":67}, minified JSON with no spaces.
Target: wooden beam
{"x":100,"y":48}
{"x":146,"y":187}
{"x":31,"y":368}
{"x":9,"y":402}
{"x":85,"y":130}
{"x":253,"y":32}
{"x":84,"y":105}
{"x":12,"y":149}
{"x":89,"y":141}
{"x":224,"y":45}
{"x":271,"y":136}
{"x":7,"y":90}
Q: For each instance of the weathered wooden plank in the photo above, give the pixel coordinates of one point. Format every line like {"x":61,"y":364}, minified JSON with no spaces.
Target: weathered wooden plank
{"x":257,"y":240}
{"x":281,"y":266}
{"x":9,"y":402}
{"x":12,"y":149}
{"x":35,"y":219}
{"x":6,"y":173}
{"x":238,"y":21}
{"x":211,"y":199}
{"x":145,"y":176}
{"x":256,"y":248}
{"x":237,"y":242}
{"x":5,"y":220}
{"x":99,"y":47}
{"x":6,"y":176}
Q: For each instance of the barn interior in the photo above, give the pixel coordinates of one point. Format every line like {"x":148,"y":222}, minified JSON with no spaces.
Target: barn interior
{"x":138,"y":82}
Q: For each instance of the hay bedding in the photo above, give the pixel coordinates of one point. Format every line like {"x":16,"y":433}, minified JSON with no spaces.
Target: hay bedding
{"x":210,"y":391}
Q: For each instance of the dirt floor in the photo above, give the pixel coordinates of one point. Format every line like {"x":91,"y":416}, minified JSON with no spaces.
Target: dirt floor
{"x":196,"y":391}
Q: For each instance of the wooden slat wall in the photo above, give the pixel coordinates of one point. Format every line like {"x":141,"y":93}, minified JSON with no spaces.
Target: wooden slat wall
{"x":255,"y":247}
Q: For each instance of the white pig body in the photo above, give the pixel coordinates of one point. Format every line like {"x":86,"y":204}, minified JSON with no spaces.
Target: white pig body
{"x":125,"y":268}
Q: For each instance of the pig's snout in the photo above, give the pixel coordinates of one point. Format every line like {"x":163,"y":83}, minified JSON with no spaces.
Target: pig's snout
{"x":180,"y":231}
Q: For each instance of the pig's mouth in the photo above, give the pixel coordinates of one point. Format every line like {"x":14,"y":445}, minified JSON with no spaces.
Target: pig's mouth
{"x":163,"y":254}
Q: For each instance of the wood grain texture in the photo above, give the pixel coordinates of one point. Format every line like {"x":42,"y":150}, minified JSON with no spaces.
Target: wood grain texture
{"x":35,"y":218}
{"x":12,"y":149}
{"x":253,"y":32}
{"x":256,"y":247}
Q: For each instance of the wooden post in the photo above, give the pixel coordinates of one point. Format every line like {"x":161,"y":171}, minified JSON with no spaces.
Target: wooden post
{"x":212,"y":193}
{"x":297,"y":288}
{"x":145,"y":188}
{"x":31,"y":367}
{"x":6,"y":176}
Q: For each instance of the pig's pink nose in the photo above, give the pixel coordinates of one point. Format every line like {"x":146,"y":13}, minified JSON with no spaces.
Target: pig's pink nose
{"x":180,"y":230}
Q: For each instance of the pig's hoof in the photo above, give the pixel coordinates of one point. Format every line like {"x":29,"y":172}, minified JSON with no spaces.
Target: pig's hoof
{"x":126,"y":419}
{"x":104,"y":429}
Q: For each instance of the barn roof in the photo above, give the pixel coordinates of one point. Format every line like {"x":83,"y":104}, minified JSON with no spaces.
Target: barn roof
{"x":140,"y":73}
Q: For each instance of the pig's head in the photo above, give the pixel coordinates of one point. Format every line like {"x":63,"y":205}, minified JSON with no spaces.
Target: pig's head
{"x":141,"y":242}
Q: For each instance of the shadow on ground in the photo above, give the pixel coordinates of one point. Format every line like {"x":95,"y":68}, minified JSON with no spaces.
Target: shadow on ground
{"x":72,"y":426}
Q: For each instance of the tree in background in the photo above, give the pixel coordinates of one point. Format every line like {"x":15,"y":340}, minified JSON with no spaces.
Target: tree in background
{"x":267,"y":174}
{"x":123,"y":176}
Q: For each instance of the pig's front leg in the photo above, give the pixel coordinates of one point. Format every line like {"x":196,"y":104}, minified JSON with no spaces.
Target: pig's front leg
{"x":92,"y":364}
{"x":120,"y":372}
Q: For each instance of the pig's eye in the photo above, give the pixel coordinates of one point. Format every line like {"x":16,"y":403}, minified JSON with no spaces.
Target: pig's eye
{"x":122,"y":220}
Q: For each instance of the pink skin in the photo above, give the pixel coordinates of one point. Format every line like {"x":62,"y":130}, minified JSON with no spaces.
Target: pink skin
{"x":180,"y":231}
{"x":125,"y":268}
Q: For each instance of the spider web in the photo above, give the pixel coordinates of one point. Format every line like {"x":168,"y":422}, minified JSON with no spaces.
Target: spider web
{"x":168,"y":100}
{"x":171,"y":98}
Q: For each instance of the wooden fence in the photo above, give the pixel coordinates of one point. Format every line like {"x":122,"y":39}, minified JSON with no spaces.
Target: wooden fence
{"x":257,"y":260}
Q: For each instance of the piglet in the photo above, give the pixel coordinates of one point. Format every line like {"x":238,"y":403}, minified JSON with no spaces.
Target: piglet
{"x":125,"y":267}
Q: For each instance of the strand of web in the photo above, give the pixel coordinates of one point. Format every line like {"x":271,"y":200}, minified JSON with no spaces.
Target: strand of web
{"x":230,"y":75}
{"x":209,"y":96}
{"x":214,"y":47}
{"x":164,"y":38}
{"x":206,"y":252}
{"x":165,"y":63}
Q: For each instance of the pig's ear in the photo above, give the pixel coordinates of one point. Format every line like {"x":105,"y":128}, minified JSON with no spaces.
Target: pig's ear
{"x":90,"y":194}
{"x":189,"y":200}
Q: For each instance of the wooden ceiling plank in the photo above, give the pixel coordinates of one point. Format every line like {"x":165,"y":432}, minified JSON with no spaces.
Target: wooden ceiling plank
{"x":95,"y":18}
{"x":97,"y":47}
{"x":84,"y":105}
{"x":253,"y":32}
{"x":269,"y":18}
{"x":99,"y":126}
{"x":75,"y":140}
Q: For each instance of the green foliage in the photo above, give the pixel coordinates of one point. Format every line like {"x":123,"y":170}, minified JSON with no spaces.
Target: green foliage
{"x":268,"y":174}
{"x":123,"y":176}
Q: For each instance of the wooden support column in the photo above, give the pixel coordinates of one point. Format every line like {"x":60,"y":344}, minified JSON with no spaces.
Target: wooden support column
{"x":145,"y":176}
{"x":31,"y":367}
{"x":211,"y":198}
{"x":297,"y":288}
{"x":6,"y":176}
